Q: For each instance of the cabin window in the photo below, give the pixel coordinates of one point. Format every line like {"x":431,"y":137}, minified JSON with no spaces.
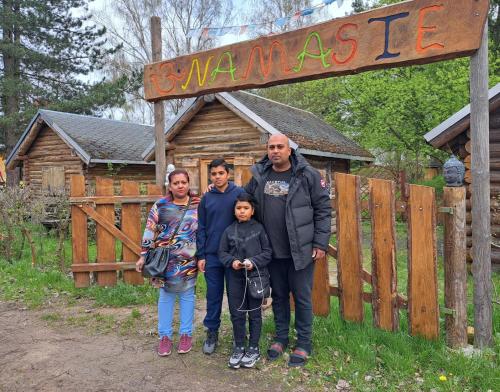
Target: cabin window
{"x":53,"y":179}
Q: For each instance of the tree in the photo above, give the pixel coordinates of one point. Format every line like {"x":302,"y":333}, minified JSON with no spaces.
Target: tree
{"x":48,"y":49}
{"x":132,"y":30}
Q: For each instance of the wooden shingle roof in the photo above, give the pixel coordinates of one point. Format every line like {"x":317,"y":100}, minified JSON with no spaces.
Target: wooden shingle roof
{"x":94,"y":139}
{"x":308,"y":133}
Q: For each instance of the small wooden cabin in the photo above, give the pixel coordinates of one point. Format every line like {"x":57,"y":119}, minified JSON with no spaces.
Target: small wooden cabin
{"x":453,"y":135}
{"x":56,"y":145}
{"x":236,"y":126}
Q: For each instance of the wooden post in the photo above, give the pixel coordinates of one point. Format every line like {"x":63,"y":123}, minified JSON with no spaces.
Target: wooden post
{"x":455,"y":267}
{"x":159,"y":109}
{"x":481,"y":230}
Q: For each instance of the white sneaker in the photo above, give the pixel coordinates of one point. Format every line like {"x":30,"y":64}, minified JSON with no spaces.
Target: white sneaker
{"x":236,"y":357}
{"x":252,"y":355}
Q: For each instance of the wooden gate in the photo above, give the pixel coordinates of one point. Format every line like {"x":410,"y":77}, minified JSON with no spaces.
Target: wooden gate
{"x":422,"y":296}
{"x":101,"y":209}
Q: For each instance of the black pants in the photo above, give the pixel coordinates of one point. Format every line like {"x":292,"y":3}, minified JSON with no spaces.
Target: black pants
{"x":235,"y":292}
{"x":285,"y":280}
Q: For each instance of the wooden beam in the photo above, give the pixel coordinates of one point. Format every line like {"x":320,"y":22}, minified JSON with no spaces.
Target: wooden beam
{"x":100,"y":220}
{"x":411,"y":32}
{"x":481,"y":237}
{"x":159,"y":109}
{"x":114,"y":199}
{"x":102,"y":267}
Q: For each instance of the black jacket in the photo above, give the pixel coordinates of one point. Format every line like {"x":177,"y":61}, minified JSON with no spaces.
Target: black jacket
{"x":308,"y":209}
{"x":245,"y":240}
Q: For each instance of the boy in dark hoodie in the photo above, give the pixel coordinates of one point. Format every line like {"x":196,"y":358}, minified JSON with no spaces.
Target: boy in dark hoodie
{"x":245,"y":251}
{"x":215,"y":214}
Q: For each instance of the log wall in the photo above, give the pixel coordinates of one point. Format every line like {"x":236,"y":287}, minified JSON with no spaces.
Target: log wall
{"x":461,"y":146}
{"x":49,"y":150}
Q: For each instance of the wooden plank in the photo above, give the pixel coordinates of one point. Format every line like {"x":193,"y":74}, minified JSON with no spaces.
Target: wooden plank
{"x":423,"y":311}
{"x":321,"y":291}
{"x":79,"y":236}
{"x":455,"y":267}
{"x":115,"y":199}
{"x":332,"y":251}
{"x":384,"y":275}
{"x":131,"y":227}
{"x":411,"y":32}
{"x":242,"y":173}
{"x":349,"y":248}
{"x":102,"y":267}
{"x":104,"y":239}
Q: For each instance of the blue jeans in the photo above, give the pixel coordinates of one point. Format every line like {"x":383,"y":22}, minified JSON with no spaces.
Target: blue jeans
{"x":215,"y":274}
{"x":166,"y":305}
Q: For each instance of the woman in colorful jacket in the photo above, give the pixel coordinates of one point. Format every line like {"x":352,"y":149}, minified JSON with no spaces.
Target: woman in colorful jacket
{"x":172,"y":222}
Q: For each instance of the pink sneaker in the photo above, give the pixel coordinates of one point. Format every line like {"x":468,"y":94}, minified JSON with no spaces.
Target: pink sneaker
{"x":165,"y":347}
{"x":185,"y":344}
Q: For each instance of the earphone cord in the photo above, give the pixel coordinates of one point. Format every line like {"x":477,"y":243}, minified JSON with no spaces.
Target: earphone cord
{"x":245,"y":292}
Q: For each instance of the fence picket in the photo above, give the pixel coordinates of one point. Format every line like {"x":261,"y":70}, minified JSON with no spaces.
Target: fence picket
{"x":423,"y":310}
{"x":384,"y":278}
{"x":106,"y":252}
{"x":321,"y":288}
{"x":349,"y":248}
{"x":131,"y":227}
{"x":79,"y":236}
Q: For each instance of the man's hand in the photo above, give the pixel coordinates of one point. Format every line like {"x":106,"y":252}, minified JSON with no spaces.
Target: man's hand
{"x":139,"y":264}
{"x":208,"y":188}
{"x":318,"y":254}
{"x":201,"y":265}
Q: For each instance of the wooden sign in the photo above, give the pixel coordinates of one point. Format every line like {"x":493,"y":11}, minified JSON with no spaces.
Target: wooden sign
{"x":411,"y":32}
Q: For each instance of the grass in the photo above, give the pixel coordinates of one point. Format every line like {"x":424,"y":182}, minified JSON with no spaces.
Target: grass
{"x":367,"y":358}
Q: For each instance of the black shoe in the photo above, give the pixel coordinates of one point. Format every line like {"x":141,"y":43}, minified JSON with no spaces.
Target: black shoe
{"x":210,"y":342}
{"x":236,"y":357}
{"x":252,"y":355}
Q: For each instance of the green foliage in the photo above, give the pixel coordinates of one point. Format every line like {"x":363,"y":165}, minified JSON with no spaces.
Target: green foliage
{"x":46,"y":48}
{"x":437,"y":183}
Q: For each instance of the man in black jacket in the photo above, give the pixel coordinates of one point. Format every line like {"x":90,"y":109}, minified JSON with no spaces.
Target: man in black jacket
{"x":294,"y":207}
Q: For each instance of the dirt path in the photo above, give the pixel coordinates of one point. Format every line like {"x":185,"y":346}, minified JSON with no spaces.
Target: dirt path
{"x":69,"y":349}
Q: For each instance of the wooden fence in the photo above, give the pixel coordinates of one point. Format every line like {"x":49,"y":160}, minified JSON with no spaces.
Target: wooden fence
{"x":101,"y":208}
{"x":422,"y":298}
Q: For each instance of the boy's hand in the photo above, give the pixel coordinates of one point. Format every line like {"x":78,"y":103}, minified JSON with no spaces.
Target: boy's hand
{"x":201,"y":265}
{"x":248,"y":265}
{"x":237,"y":265}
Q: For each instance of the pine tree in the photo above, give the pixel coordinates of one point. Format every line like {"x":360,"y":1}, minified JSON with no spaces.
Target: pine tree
{"x":48,"y":49}
{"x":358,"y":6}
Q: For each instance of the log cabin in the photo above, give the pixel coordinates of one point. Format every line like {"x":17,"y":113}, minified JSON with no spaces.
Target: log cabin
{"x":453,"y":135}
{"x":236,"y":126}
{"x":56,"y":145}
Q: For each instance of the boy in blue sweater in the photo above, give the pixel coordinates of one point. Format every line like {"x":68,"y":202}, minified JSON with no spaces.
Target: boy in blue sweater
{"x":215,"y":214}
